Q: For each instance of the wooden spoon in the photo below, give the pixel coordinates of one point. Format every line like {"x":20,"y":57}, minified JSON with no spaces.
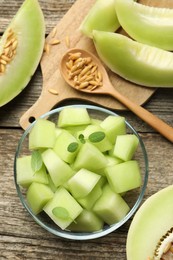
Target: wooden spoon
{"x":107,"y":89}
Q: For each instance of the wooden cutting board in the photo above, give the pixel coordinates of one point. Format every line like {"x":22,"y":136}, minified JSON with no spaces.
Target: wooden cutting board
{"x":67,"y":31}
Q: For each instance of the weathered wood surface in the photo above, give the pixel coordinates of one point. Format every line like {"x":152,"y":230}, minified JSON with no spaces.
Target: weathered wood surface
{"x":20,"y":237}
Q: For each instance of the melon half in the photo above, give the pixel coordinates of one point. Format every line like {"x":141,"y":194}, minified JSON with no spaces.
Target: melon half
{"x":21,"y":48}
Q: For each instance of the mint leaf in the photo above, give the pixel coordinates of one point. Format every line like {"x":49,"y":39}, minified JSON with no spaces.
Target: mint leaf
{"x":72,"y":147}
{"x":96,"y":137}
{"x":36,"y":161}
{"x":61,"y":213}
{"x":82,"y":138}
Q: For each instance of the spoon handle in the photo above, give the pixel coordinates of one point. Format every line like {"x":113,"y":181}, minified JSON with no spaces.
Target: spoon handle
{"x":156,"y":123}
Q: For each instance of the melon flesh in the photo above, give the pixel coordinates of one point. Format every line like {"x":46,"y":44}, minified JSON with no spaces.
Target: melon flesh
{"x":29,"y":28}
{"x":151,"y":222}
{"x":134,"y":61}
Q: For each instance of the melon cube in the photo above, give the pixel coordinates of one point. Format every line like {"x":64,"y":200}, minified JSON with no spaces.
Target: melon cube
{"x":37,"y":196}
{"x":81,"y":183}
{"x":111,"y":207}
{"x":73,"y":116}
{"x":103,"y":145}
{"x":42,"y":134}
{"x":87,"y":221}
{"x":59,"y":170}
{"x":61,"y":146}
{"x":125,"y":146}
{"x":88,"y":201}
{"x":26,"y":175}
{"x":63,"y":199}
{"x":90,"y":158}
{"x":124,"y":176}
{"x":113,"y":126}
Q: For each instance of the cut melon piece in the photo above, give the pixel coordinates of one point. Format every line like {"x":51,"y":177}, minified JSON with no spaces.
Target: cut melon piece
{"x":26,"y":175}
{"x":153,"y":221}
{"x":103,"y":145}
{"x":111,"y":207}
{"x":37,"y":196}
{"x":87,"y":221}
{"x":124,"y":176}
{"x":146,"y":24}
{"x":63,"y":199}
{"x":61,"y":146}
{"x":90,"y":158}
{"x":27,"y":31}
{"x":59,"y":170}
{"x":42,"y":134}
{"x":73,"y":116}
{"x":82,"y":183}
{"x":125,"y":146}
{"x":102,"y":16}
{"x":113,"y":126}
{"x":149,"y":66}
{"x":89,"y":201}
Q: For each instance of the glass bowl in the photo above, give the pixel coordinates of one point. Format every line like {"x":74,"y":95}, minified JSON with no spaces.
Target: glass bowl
{"x":133,"y":199}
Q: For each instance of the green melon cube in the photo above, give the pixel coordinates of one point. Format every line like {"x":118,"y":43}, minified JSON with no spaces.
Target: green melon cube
{"x":88,"y":201}
{"x":75,"y":129}
{"x":26,"y":175}
{"x":73,"y":116}
{"x":113,"y":126}
{"x":124,"y":176}
{"x":125,"y":146}
{"x":87,"y":221}
{"x":42,"y":134}
{"x":103,"y":145}
{"x":110,"y":161}
{"x":63,"y":199}
{"x":61,"y":146}
{"x":111,"y":207}
{"x":51,"y":184}
{"x":59,"y":170}
{"x":81,"y":183}
{"x":37,"y":196}
{"x":90,"y":158}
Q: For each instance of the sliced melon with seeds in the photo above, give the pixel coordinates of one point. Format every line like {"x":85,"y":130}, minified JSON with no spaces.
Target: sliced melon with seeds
{"x":21,"y":47}
{"x":149,"y":66}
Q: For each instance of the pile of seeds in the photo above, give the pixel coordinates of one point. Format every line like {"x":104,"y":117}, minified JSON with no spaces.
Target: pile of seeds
{"x":83,"y":72}
{"x":9,"y":50}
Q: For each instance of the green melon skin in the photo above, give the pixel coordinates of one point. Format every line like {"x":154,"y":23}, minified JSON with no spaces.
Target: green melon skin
{"x":146,"y":24}
{"x":150,"y":223}
{"x":29,"y":27}
{"x":136,"y":62}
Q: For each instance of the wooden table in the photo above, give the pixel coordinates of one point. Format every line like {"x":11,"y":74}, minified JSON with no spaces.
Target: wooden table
{"x":20,"y":236}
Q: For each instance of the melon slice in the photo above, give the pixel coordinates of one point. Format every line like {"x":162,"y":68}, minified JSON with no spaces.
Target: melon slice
{"x":102,"y":16}
{"x":146,"y":24}
{"x":151,"y":229}
{"x":137,"y":62}
{"x":21,"y":47}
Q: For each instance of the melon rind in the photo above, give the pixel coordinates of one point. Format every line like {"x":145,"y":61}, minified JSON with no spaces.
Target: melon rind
{"x":151,"y":222}
{"x":28,"y":25}
{"x":146,"y":24}
{"x":136,"y":62}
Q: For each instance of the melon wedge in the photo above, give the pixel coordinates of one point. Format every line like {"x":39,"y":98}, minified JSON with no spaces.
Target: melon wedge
{"x":146,"y":24}
{"x":150,"y":224}
{"x":136,"y":62}
{"x":27,"y":32}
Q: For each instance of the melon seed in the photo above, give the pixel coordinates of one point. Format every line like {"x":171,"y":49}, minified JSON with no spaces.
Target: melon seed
{"x":83,"y":71}
{"x":9,"y":50}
